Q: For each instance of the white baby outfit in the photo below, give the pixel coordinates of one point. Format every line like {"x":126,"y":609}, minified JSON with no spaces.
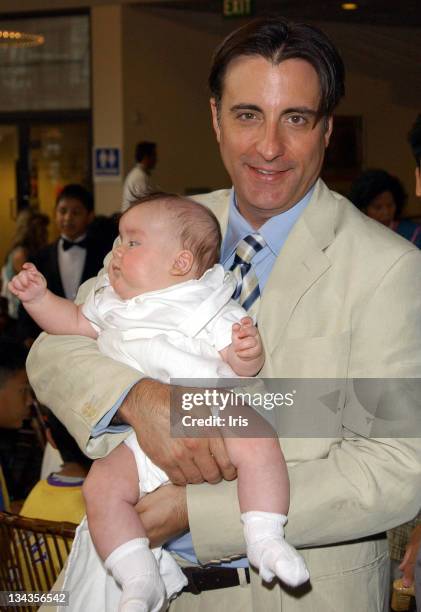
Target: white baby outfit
{"x":172,"y":333}
{"x":166,"y":334}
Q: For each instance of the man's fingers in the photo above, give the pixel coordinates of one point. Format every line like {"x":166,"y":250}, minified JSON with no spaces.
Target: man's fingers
{"x":219,"y":453}
{"x":208,"y":467}
{"x":175,"y":475}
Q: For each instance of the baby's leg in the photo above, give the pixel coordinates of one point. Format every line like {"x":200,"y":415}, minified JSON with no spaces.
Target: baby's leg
{"x":111,"y":491}
{"x":263,"y":492}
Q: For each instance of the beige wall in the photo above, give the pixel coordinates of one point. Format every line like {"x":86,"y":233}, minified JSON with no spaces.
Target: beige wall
{"x":166,"y":99}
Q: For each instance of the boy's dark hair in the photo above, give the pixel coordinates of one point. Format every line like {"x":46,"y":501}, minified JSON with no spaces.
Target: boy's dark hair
{"x":77,"y":192}
{"x":372,"y":183}
{"x":13,"y":356}
{"x":66,"y":444}
{"x":196,"y":225}
{"x":277,"y":40}
{"x":414,"y":138}
{"x":143,"y":149}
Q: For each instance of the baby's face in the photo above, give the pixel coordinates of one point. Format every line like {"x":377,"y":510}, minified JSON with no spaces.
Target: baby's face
{"x":144,"y":259}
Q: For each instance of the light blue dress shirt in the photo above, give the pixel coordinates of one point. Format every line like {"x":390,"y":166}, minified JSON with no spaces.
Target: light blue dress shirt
{"x":275,"y":231}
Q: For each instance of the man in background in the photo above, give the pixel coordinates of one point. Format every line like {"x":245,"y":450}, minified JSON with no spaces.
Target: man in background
{"x":138,"y":182}
{"x":15,"y":402}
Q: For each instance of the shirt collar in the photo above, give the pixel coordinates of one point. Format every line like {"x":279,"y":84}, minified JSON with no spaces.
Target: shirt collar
{"x":275,"y":230}
{"x":78,"y":239}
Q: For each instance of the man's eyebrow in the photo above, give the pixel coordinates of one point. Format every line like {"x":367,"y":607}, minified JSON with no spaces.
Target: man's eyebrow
{"x":248,"y":107}
{"x":302,"y":110}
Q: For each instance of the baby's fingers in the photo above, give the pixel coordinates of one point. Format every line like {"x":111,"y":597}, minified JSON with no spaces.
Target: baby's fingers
{"x":29,"y":267}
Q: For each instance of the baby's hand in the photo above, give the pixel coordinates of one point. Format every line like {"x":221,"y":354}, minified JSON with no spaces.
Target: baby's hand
{"x":246,"y":340}
{"x":29,"y":285}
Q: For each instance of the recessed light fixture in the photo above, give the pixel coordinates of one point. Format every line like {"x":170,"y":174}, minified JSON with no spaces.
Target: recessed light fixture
{"x":349,"y":6}
{"x":10,"y":38}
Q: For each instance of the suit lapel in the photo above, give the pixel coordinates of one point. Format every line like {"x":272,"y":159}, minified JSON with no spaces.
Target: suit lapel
{"x":300,"y":263}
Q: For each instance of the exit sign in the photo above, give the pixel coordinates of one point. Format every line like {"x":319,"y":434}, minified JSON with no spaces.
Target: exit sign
{"x":237,"y":8}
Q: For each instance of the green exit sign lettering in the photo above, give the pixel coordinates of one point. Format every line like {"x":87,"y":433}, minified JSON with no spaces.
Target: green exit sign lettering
{"x":237,"y":8}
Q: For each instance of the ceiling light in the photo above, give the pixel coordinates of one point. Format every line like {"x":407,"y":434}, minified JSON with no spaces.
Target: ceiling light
{"x":349,"y":6}
{"x":9,"y":38}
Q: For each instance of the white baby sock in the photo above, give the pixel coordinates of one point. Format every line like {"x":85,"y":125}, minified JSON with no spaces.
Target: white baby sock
{"x":134,"y":566}
{"x":269,"y":552}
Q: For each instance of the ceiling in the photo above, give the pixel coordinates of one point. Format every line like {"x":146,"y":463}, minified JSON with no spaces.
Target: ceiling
{"x":374,"y":12}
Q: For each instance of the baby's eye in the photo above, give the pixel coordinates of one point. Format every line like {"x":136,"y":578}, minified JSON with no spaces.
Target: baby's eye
{"x":133,"y":243}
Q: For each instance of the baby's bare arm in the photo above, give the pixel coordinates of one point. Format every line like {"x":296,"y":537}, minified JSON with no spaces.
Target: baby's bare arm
{"x":245,"y":354}
{"x":53,"y":314}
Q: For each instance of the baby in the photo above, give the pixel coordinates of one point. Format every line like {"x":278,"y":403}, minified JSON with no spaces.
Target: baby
{"x":164,"y":308}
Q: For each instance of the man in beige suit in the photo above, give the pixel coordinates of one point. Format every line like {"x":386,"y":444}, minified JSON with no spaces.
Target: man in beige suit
{"x":341,"y":298}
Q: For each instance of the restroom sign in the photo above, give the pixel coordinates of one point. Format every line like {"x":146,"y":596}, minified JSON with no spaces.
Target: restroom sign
{"x":107,"y":162}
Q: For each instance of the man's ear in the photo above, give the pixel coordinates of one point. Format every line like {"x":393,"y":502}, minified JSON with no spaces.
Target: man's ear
{"x":328,"y":129}
{"x":215,"y":119}
{"x":183,"y":263}
{"x":418,"y":181}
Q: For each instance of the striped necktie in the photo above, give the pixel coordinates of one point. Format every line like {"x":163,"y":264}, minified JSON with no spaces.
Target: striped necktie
{"x":247,"y":291}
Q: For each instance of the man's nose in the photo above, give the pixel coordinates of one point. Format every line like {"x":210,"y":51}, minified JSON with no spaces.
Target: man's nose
{"x":270,"y":144}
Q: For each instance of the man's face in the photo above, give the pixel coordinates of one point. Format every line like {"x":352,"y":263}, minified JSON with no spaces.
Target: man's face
{"x":72,"y":218}
{"x":269,"y":142}
{"x":15,"y":401}
{"x":144,"y":258}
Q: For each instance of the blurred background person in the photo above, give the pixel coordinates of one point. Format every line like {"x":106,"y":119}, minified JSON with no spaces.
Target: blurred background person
{"x":31,"y":236}
{"x":138,"y":182}
{"x":58,"y":497}
{"x":76,"y":256}
{"x":16,"y":473}
{"x":382,"y":197}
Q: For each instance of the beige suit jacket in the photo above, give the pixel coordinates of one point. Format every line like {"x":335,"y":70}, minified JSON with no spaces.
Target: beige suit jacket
{"x":343,"y":300}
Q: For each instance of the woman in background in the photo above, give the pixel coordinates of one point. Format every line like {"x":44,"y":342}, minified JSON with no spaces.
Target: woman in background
{"x":31,"y":235}
{"x":382,"y":197}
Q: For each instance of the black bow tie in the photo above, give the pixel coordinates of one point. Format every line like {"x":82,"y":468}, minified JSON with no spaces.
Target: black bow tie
{"x":68,"y":244}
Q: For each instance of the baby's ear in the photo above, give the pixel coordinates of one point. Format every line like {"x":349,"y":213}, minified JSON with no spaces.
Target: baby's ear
{"x":183,"y":263}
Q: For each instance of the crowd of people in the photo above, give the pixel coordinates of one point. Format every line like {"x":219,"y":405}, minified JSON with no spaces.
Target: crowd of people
{"x":279,"y":278}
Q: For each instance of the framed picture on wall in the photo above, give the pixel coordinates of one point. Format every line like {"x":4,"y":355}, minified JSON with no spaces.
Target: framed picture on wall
{"x":343,"y":160}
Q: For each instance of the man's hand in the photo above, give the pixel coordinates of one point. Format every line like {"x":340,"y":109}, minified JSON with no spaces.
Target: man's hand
{"x":164,"y":513}
{"x":185,"y":460}
{"x":408,"y":562}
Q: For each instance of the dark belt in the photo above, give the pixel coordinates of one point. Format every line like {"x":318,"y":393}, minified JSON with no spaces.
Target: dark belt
{"x":212,"y":578}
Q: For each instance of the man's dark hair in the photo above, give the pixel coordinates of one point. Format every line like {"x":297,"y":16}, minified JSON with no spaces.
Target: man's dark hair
{"x":66,"y":444}
{"x":13,"y":356}
{"x":277,"y":40}
{"x":414,"y":138}
{"x":372,"y":183}
{"x":77,"y":192}
{"x":144,"y":149}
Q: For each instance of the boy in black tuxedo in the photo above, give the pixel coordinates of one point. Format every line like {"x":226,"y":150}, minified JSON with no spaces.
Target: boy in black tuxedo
{"x":76,"y":256}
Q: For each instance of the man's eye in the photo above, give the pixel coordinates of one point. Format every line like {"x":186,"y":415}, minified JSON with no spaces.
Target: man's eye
{"x":297,"y":119}
{"x":246,"y":116}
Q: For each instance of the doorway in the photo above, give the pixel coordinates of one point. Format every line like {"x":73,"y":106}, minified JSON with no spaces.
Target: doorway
{"x":37,"y":158}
